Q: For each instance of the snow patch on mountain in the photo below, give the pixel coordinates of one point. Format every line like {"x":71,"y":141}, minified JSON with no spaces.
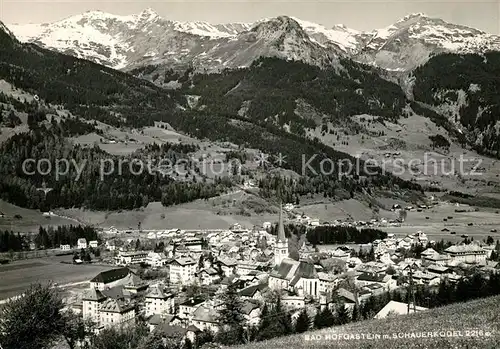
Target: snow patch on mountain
{"x":138,"y":40}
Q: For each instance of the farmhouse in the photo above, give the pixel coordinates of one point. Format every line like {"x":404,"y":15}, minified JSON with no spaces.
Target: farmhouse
{"x":65,"y":247}
{"x":208,"y":276}
{"x":93,"y":243}
{"x":384,"y":280}
{"x":251,"y":312}
{"x":81,"y":243}
{"x":227,"y":265}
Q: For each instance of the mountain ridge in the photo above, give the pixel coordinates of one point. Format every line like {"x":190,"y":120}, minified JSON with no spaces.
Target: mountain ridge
{"x":128,"y":42}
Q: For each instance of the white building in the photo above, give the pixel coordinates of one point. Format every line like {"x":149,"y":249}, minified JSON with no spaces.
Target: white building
{"x":293,"y":302}
{"x":466,"y":253}
{"x":132,"y":257}
{"x":182,"y":270}
{"x":205,"y":318}
{"x":93,"y":244}
{"x":208,"y":276}
{"x":110,"y":245}
{"x":187,"y":308}
{"x":91,"y":303}
{"x":155,"y":259}
{"x":116,"y":313}
{"x":159,"y":301}
{"x":394,"y":308}
{"x":65,"y":247}
{"x":81,"y":243}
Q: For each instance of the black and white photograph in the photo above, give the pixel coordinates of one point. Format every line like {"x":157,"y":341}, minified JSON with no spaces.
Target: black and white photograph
{"x":249,"y":174}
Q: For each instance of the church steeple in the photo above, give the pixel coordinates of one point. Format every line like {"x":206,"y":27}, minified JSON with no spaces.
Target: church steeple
{"x":281,"y":228}
{"x":281,"y":247}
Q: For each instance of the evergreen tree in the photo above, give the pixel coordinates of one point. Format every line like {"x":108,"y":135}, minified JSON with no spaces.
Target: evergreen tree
{"x":355,"y":313}
{"x":303,"y":322}
{"x":342,"y":315}
{"x":282,"y":318}
{"x":324,"y":318}
{"x":230,"y":318}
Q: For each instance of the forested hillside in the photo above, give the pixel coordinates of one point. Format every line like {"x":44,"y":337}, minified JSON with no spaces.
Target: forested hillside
{"x":91,"y":178}
{"x":94,"y":92}
{"x":464,"y":88}
{"x":269,"y":92}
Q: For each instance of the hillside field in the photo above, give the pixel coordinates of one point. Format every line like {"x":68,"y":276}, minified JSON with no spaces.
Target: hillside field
{"x":474,"y":324}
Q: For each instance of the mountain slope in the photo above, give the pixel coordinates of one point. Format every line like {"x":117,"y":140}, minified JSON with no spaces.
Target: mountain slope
{"x":94,"y":92}
{"x":477,"y":322}
{"x":415,"y":38}
{"x":146,"y":39}
{"x":466,"y":93}
{"x":128,"y":42}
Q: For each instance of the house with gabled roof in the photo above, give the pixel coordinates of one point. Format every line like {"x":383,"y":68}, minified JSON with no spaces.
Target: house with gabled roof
{"x":159,"y":300}
{"x":206,"y":318}
{"x":182,"y":270}
{"x":115,"y":312}
{"x":227,"y":265}
{"x":81,"y":243}
{"x":167,"y":330}
{"x":253,"y":292}
{"x":208,"y":276}
{"x":91,"y":303}
{"x":187,"y":308}
{"x":250,"y":310}
{"x":384,"y":280}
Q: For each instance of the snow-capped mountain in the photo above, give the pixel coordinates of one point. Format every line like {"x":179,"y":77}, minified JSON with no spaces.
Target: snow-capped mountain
{"x":414,"y":39}
{"x":128,"y":42}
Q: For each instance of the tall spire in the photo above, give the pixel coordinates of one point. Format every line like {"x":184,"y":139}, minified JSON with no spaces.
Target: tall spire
{"x":281,"y":228}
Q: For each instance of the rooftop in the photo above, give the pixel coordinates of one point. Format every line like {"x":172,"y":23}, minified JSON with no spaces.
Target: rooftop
{"x":111,"y":275}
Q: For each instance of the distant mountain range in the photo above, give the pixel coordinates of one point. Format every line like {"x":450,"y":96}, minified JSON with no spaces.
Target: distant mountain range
{"x":144,"y":39}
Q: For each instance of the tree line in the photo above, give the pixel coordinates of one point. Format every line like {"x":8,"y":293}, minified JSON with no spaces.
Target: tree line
{"x":343,"y":235}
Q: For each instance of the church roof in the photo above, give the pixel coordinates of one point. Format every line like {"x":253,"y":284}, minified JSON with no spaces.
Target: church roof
{"x":289,"y":269}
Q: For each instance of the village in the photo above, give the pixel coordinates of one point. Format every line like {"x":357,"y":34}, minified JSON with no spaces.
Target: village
{"x":177,"y":287}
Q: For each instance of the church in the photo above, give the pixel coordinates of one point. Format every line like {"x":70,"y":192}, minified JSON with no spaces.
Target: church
{"x":299,"y":277}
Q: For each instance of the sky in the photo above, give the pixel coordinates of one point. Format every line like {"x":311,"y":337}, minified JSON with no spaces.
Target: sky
{"x":356,"y":14}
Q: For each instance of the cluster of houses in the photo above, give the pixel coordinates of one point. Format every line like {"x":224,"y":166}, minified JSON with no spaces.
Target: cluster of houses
{"x":80,"y":244}
{"x":259,"y":264}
